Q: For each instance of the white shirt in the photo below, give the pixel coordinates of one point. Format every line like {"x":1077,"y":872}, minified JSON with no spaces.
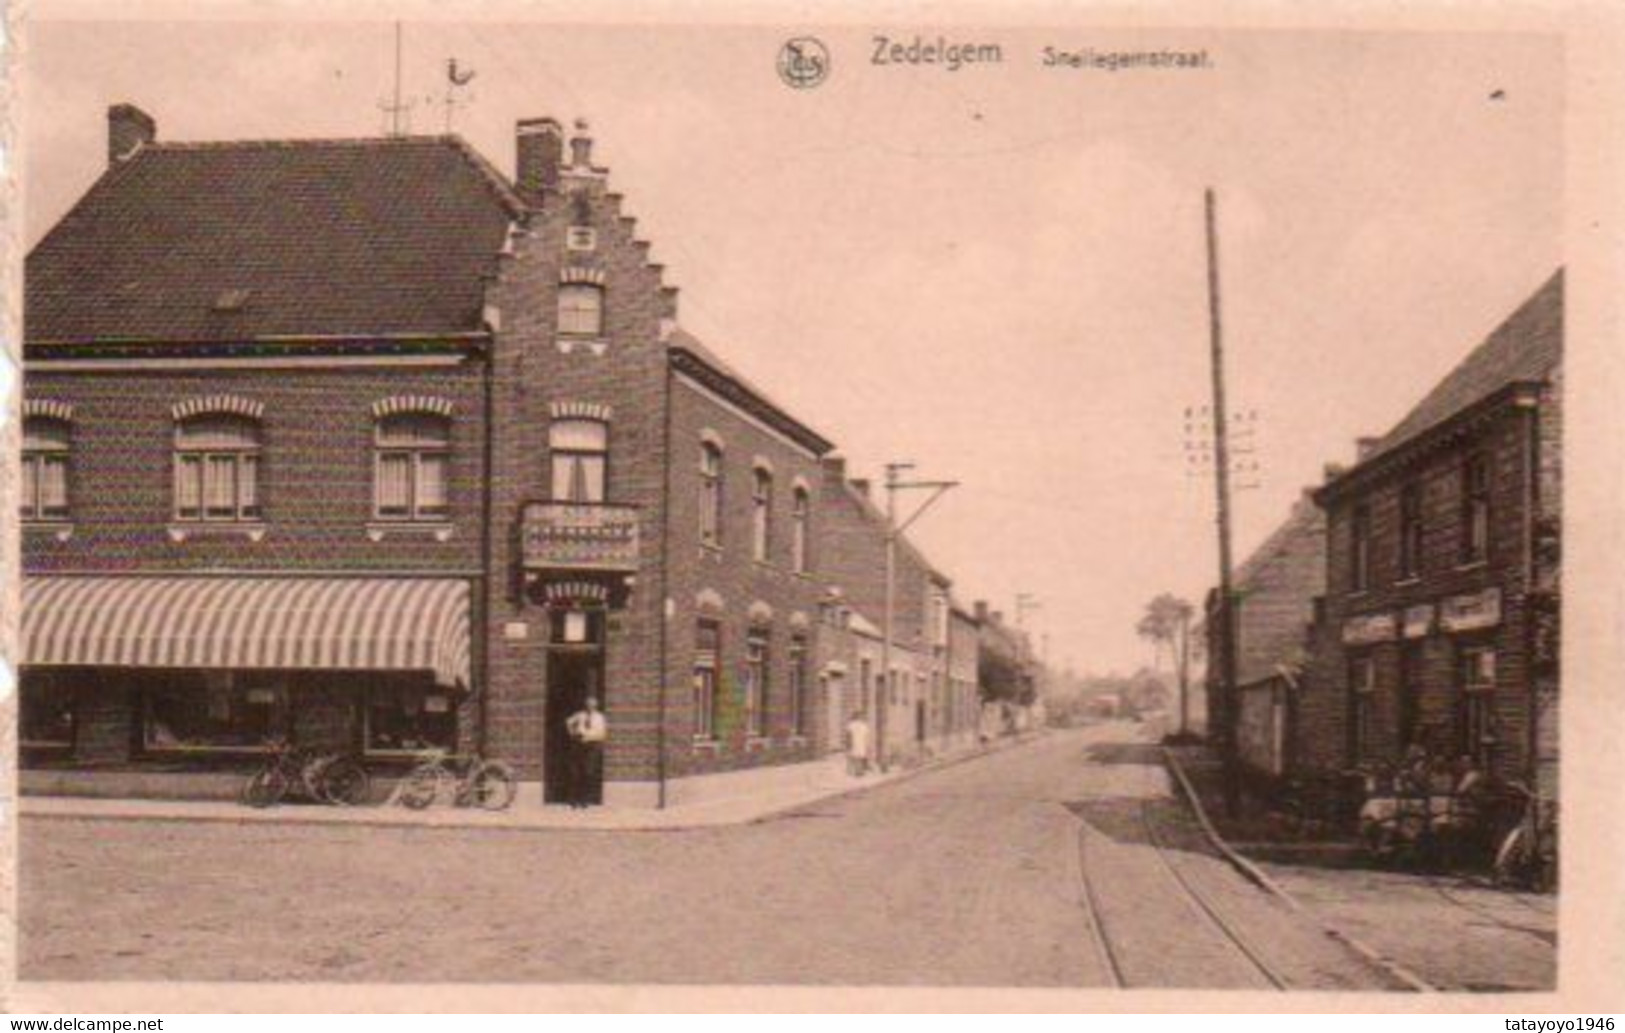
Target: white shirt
{"x":588,"y":725}
{"x":857,"y":734}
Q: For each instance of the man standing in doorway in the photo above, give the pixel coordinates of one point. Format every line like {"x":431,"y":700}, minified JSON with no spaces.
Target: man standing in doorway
{"x":857,"y":746}
{"x":588,"y":728}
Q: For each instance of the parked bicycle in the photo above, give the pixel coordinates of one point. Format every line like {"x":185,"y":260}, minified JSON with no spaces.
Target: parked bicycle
{"x":1527,"y":854}
{"x":295,"y":772}
{"x":463,"y":781}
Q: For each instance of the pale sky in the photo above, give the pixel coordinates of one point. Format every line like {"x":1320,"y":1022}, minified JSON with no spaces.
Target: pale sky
{"x":997,"y":272}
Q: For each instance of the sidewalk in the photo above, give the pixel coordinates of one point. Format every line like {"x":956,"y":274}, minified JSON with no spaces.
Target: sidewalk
{"x":1447,"y":932}
{"x":733,"y":810}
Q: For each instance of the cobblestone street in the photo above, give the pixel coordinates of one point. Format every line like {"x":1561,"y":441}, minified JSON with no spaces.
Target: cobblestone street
{"x":969,"y":875}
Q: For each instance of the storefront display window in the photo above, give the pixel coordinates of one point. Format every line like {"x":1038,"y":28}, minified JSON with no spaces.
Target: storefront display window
{"x":45,"y":718}
{"x":214,"y":710}
{"x":407,"y":718}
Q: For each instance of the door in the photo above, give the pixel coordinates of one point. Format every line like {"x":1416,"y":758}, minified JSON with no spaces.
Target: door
{"x":575,"y":670}
{"x":834,"y":695}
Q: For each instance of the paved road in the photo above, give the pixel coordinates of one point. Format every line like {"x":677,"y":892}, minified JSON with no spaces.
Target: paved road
{"x":971,"y":875}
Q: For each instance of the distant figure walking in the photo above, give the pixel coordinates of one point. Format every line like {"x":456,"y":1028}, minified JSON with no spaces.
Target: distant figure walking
{"x":857,"y":746}
{"x":588,"y":728}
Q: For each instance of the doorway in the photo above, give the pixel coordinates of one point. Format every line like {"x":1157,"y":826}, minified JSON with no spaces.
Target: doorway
{"x":575,"y":670}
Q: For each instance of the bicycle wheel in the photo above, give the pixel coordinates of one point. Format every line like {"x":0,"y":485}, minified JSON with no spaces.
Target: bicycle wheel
{"x":491,"y":786}
{"x":266,"y":787}
{"x":345,"y":783}
{"x":420,"y":789}
{"x":1509,"y":858}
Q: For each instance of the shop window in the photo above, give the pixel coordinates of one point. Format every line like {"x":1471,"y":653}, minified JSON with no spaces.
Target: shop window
{"x":412,"y":460}
{"x":1410,"y":531}
{"x":1475,"y":680}
{"x":707,"y":653}
{"x":756,"y":687}
{"x":202,"y":711}
{"x":710,"y":494}
{"x":1362,"y":690}
{"x":46,"y":456}
{"x":581,"y":309}
{"x":761,"y":514}
{"x":1475,"y":506}
{"x":579,"y":451}
{"x":800,"y":534}
{"x":46,"y":712}
{"x":406,"y":718}
{"x":797,"y":686}
{"x":217,"y":468}
{"x":1360,"y":548}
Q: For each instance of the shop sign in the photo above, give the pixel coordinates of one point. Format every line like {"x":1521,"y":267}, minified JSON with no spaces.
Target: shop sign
{"x":1372,"y":627}
{"x":1469,"y":612}
{"x":1418,"y":620}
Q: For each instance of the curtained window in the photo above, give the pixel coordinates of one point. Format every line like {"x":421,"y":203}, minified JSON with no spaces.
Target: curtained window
{"x":47,"y":444}
{"x":217,"y":467}
{"x":579,"y":451}
{"x":412,"y":467}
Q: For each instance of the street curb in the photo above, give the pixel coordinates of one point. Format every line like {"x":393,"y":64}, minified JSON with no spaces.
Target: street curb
{"x":1256,"y":875}
{"x":997,"y":746}
{"x":386,"y":819}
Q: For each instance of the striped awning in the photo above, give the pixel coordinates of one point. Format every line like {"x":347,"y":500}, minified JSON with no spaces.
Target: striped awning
{"x":236,"y":623}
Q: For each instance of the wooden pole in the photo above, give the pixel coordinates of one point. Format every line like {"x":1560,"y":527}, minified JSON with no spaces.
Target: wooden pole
{"x":1226,"y":711}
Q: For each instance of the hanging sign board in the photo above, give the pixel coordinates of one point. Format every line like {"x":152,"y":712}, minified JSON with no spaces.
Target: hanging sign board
{"x":1418,"y":620}
{"x":1371,"y":627}
{"x":1470,"y":612}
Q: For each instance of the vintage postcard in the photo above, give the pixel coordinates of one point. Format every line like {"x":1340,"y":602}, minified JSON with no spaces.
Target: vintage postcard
{"x":711,"y":507}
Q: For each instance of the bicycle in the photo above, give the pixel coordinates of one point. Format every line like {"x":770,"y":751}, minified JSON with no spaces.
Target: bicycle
{"x":331,"y":778}
{"x":1527,"y":854}
{"x":467,"y":781}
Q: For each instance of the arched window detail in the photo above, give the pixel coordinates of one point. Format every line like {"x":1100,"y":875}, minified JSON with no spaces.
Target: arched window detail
{"x":579,"y":452}
{"x":800,"y":529}
{"x":710,"y":493}
{"x":47,"y":457}
{"x":217,"y":468}
{"x":761,"y":513}
{"x":581,"y":309}
{"x":412,"y":467}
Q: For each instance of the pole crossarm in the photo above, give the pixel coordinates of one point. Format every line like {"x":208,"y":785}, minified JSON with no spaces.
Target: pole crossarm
{"x":937,"y":489}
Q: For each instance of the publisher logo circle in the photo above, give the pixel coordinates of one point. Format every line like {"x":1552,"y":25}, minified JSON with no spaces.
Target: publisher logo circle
{"x":803,"y":62}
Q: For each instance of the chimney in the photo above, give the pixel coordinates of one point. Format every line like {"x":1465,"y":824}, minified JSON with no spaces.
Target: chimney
{"x":1363,"y":447}
{"x":128,"y":127}
{"x":540,"y":146}
{"x":835,"y":468}
{"x":1332,"y":471}
{"x":581,"y":147}
{"x":861,"y":485}
{"x":998,"y":618}
{"x":980,"y":607}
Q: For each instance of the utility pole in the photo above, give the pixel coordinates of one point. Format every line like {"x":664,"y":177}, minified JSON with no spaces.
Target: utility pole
{"x":1221,"y":469}
{"x":396,"y":107}
{"x":894,"y":484}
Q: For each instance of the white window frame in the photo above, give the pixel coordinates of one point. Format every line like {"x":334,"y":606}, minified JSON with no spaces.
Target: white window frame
{"x":416,"y":452}
{"x":711,"y":489}
{"x":581,"y":310}
{"x":41,"y":451}
{"x":575,"y":456}
{"x":758,"y":665}
{"x":707,"y":663}
{"x":199,"y":463}
{"x":800,"y":530}
{"x":761,"y":514}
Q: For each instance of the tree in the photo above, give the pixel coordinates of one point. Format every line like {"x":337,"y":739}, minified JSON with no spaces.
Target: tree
{"x":1167,"y":624}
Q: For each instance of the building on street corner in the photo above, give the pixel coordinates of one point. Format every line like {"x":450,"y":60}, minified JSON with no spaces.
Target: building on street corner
{"x":365,"y":444}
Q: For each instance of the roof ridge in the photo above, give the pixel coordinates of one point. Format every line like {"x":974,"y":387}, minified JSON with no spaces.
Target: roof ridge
{"x":312,"y":141}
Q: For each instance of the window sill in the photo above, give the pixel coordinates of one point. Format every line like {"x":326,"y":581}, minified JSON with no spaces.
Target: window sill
{"x":596,"y":345}
{"x":59,"y":529}
{"x":711,"y":549}
{"x":1408,"y":582}
{"x":758,"y":742}
{"x":1473,"y":564}
{"x":1359,"y":593}
{"x":706,"y":745}
{"x":252,"y":531}
{"x":377,"y":531}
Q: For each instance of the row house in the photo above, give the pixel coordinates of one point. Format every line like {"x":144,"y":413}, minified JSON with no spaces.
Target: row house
{"x":1007,"y":672}
{"x":1274,"y":592}
{"x":911,"y":703}
{"x":1432,"y":620}
{"x":366,"y":443}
